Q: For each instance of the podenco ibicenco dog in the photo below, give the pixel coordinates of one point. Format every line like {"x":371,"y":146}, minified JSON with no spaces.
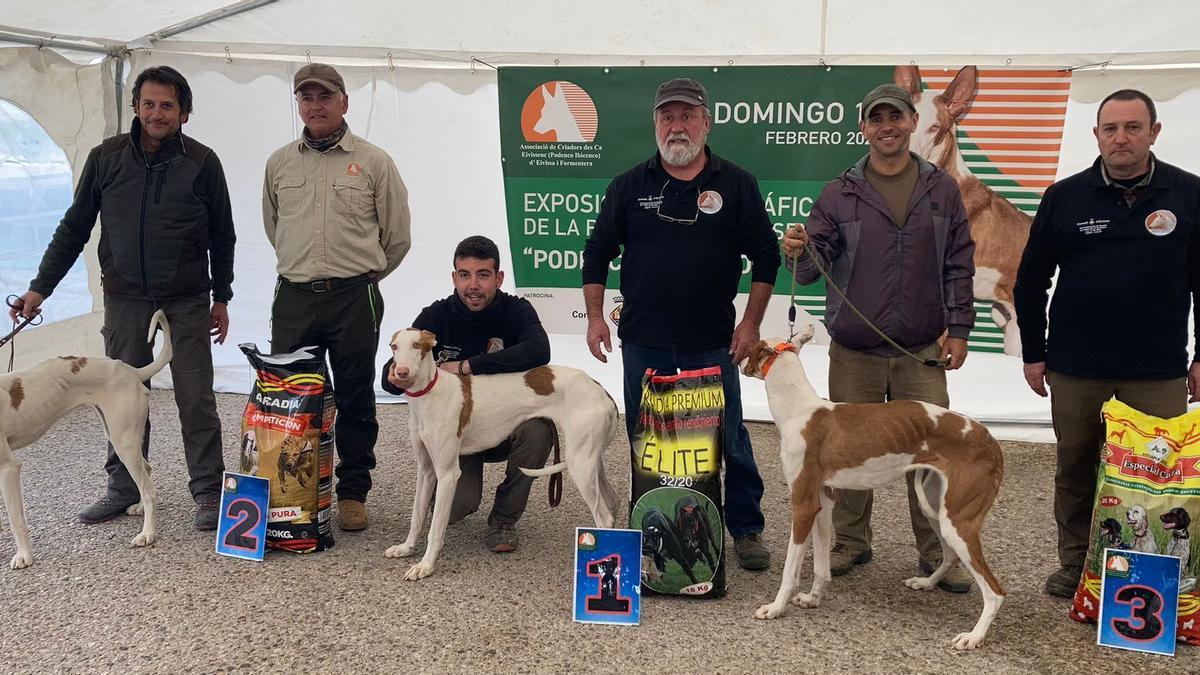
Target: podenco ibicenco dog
{"x":452,"y":415}
{"x":827,"y":445}
{"x":999,"y":229}
{"x":39,"y":396}
{"x":557,"y":116}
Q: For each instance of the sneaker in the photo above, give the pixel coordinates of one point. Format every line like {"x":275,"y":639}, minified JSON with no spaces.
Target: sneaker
{"x":956,"y":580}
{"x":206,"y":514}
{"x":352,"y":515}
{"x":501,"y":538}
{"x":1064,"y":582}
{"x":842,"y":559}
{"x":104,"y":509}
{"x":752,"y":553}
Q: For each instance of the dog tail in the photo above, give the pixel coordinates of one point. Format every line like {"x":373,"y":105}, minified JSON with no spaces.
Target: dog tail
{"x":164,"y":355}
{"x":546,"y":470}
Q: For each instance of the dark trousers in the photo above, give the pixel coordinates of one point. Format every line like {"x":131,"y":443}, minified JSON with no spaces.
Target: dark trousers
{"x":125,"y":323}
{"x":743,"y":485}
{"x":345,"y":321}
{"x":528,"y":446}
{"x":855,"y":377}
{"x":1079,"y":429}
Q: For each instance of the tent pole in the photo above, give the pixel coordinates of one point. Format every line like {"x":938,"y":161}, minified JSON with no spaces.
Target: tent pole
{"x":205,"y":19}
{"x":118,"y":69}
{"x":51,"y":42}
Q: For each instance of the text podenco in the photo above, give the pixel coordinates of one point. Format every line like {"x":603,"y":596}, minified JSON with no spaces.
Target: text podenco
{"x":39,"y":396}
{"x":827,"y":445}
{"x":452,"y":415}
{"x":998,"y":228}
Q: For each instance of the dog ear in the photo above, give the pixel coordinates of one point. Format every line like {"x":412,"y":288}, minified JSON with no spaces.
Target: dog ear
{"x":804,"y":335}
{"x":427,"y":341}
{"x":909,"y":78}
{"x":752,"y":366}
{"x":960,"y":93}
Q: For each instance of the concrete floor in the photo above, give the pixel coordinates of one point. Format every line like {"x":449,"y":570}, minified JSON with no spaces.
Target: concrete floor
{"x":91,"y":603}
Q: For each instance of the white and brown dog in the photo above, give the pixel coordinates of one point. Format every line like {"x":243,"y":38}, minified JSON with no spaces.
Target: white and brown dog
{"x":452,"y":415}
{"x":862,"y":446}
{"x":39,"y":396}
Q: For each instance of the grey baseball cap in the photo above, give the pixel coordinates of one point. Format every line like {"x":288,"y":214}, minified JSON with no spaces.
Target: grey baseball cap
{"x":321,"y":74}
{"x":891,"y":94}
{"x":682,"y":90}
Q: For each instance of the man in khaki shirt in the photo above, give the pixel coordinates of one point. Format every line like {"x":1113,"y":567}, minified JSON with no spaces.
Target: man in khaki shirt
{"x":336,"y":211}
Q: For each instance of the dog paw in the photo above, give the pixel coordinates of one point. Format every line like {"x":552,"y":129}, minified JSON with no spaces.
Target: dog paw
{"x":22,"y":560}
{"x":768,"y":611}
{"x":136,"y":510}
{"x":806,"y":600}
{"x":399,"y":551}
{"x":418,"y":571}
{"x":966,"y":641}
{"x":144,"y":539}
{"x":919,"y":583}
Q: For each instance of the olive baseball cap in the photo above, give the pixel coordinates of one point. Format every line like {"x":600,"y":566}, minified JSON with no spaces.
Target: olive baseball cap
{"x":891,"y":94}
{"x":321,"y":74}
{"x":682,"y":90}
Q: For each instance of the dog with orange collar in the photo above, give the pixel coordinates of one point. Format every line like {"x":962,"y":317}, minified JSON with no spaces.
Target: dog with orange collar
{"x":826,"y":445}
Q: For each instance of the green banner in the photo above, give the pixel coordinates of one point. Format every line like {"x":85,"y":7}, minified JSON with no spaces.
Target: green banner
{"x":566,"y":132}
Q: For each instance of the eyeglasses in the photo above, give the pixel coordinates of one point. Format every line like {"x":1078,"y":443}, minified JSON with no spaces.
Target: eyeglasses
{"x":681,"y":221}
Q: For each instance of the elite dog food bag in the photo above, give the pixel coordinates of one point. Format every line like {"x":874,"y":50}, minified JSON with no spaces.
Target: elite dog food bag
{"x":676,"y":486}
{"x":287,"y":437}
{"x":1147,"y":493}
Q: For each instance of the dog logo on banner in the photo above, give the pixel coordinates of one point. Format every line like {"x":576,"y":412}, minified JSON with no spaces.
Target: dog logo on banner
{"x":559,"y":111}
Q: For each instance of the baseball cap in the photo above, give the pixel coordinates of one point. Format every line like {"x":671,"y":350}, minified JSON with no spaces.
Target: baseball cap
{"x":680,"y":89}
{"x":320,"y":74}
{"x":891,"y":94}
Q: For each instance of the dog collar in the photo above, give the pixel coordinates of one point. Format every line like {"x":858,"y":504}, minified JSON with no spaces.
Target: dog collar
{"x":418,"y":394}
{"x":779,"y":349}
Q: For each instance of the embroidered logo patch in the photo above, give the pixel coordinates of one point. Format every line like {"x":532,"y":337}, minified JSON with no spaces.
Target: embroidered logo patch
{"x":354,"y":169}
{"x":710,"y":201}
{"x":1092,"y":225}
{"x":495,"y":344}
{"x":1161,"y":223}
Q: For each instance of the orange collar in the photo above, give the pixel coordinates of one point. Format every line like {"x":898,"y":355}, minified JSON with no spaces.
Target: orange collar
{"x":779,"y":349}
{"x":418,"y":394}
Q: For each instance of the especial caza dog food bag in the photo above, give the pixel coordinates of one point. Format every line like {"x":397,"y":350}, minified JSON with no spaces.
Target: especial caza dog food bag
{"x":287,"y":437}
{"x":1147,"y":492}
{"x":676,"y":486}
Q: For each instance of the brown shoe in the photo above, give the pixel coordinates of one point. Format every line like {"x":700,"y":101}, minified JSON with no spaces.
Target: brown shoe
{"x":352,"y":515}
{"x":956,"y":580}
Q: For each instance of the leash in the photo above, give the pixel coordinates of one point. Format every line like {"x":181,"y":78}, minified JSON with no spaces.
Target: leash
{"x":932,"y":363}
{"x":17,"y":303}
{"x":556,"y":480}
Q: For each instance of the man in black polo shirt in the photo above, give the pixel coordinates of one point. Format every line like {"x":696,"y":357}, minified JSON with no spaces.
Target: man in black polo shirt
{"x":682,"y":222}
{"x":1123,"y":235}
{"x":482,"y":330}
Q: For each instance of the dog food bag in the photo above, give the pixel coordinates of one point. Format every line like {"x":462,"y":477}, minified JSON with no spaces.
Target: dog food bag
{"x":1147,"y":492}
{"x":287,"y":437}
{"x":676,"y":486}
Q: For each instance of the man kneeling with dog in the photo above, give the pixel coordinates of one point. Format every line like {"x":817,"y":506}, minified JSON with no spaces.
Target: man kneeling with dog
{"x":482,"y":330}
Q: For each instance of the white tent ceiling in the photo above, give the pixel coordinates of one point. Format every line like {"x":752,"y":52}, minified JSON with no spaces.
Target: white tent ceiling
{"x":630,"y":31}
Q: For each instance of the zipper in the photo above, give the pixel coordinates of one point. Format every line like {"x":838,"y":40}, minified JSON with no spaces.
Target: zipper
{"x":142,"y":231}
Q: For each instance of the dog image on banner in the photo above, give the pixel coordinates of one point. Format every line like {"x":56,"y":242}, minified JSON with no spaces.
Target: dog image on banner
{"x":1147,"y":490}
{"x":676,"y":495}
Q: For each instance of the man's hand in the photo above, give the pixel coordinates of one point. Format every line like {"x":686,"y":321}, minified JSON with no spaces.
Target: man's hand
{"x":597,"y":335}
{"x":794,"y":240}
{"x":956,"y":349}
{"x":220,"y":322}
{"x":1035,"y":375}
{"x":27,"y":306}
{"x":453,"y":367}
{"x":745,"y":336}
{"x":1194,"y":382}
{"x":396,"y":381}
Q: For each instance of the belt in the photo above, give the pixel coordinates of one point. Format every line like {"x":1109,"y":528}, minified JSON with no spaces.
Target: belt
{"x":326,"y":285}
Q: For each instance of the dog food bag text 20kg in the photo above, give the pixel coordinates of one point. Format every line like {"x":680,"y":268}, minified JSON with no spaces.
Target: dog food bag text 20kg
{"x":287,"y":437}
{"x":676,"y":486}
{"x":1147,"y":490}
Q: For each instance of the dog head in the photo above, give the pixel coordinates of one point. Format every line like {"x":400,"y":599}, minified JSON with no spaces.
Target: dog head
{"x":938,"y":116}
{"x":1176,"y":519}
{"x":1111,"y":528}
{"x":412,"y":356}
{"x":1136,"y":516}
{"x":762,"y":355}
{"x":291,"y":451}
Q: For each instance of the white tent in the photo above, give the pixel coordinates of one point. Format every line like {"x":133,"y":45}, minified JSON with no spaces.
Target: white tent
{"x":423,"y":86}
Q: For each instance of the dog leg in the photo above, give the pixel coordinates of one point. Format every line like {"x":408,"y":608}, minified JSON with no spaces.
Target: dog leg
{"x":929,"y":487}
{"x":803,"y":515}
{"x":421,"y":496}
{"x":585,"y":457}
{"x":447,"y":481}
{"x":966,"y":543}
{"x":125,"y":422}
{"x":14,"y":503}
{"x":822,"y":541}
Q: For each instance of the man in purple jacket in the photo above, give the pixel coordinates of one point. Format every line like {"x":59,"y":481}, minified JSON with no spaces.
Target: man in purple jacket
{"x":893,"y":234}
